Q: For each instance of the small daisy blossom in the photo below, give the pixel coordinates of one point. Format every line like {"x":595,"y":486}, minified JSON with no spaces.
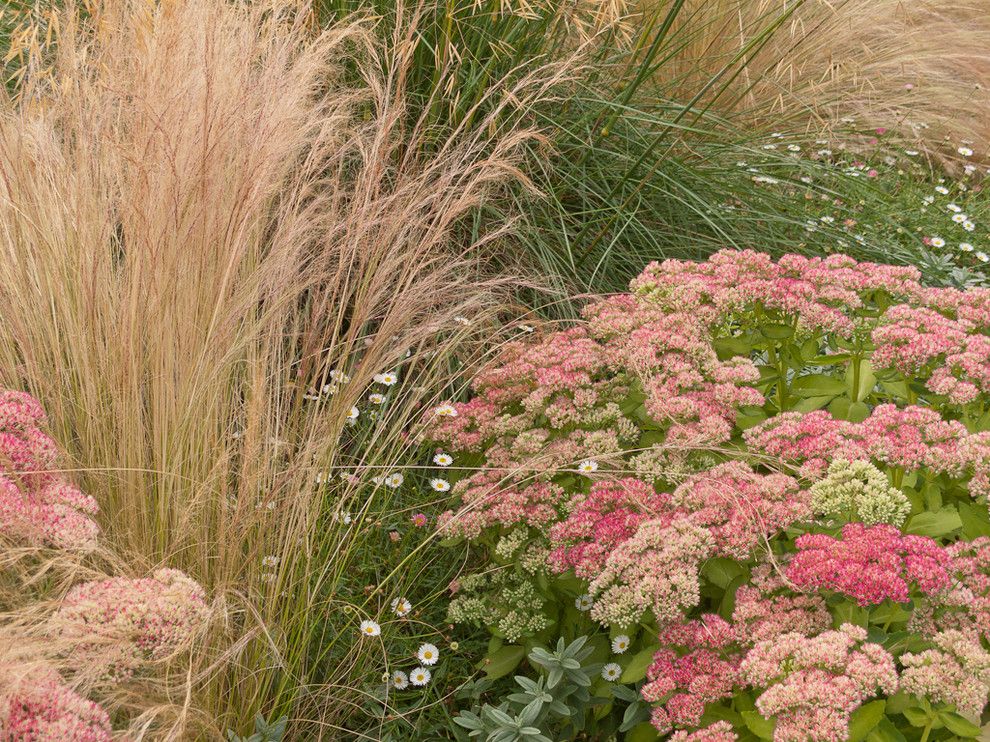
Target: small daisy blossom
{"x":612,"y":671}
{"x":969,"y":226}
{"x":588,"y":466}
{"x":400,"y":681}
{"x":965,"y":247}
{"x":376,"y":398}
{"x":370,"y":628}
{"x":394,"y":480}
{"x":965,"y":151}
{"x":419,"y":520}
{"x":428,"y":654}
{"x":445,"y":410}
{"x":388,"y":379}
{"x":401,"y":606}
{"x":353,"y":414}
{"x":942,"y":189}
{"x":583,"y":603}
{"x":443,"y":459}
{"x":440,"y":485}
{"x":954,"y":208}
{"x":620,"y":644}
{"x":982,"y":257}
{"x":269,"y":561}
{"x":959,"y":218}
{"x":937,"y":242}
{"x":420,"y":676}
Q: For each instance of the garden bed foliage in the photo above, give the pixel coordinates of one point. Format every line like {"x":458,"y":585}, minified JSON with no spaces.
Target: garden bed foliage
{"x":746,"y":499}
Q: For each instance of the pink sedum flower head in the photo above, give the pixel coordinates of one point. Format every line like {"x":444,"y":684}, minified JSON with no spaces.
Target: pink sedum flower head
{"x":813,"y":684}
{"x":39,"y":707}
{"x":37,"y":505}
{"x":869,"y":564}
{"x":120,"y":623}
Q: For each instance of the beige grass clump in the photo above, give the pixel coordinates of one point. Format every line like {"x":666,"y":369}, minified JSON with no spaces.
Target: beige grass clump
{"x":920,"y":67}
{"x":203,"y":210}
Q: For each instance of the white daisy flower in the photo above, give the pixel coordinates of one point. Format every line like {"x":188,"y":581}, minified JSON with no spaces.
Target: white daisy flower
{"x":440,"y":485}
{"x":400,"y":681}
{"x":982,"y":257}
{"x":321,"y":478}
{"x":620,"y":644}
{"x":588,"y":466}
{"x":965,"y":151}
{"x":394,"y":480}
{"x":331,"y":388}
{"x":824,"y":153}
{"x":353,"y":414}
{"x":769,"y":146}
{"x":911,"y":152}
{"x":959,"y":218}
{"x":376,"y":398}
{"x":805,"y":179}
{"x":462,"y":321}
{"x":929,"y":199}
{"x":428,"y":654}
{"x":388,"y":379}
{"x":583,"y":603}
{"x":269,"y":561}
{"x":937,"y":242}
{"x":420,"y":676}
{"x":969,"y":226}
{"x":344,"y":518}
{"x":953,"y":207}
{"x":339,"y":376}
{"x":612,"y":671}
{"x":370,"y":628}
{"x":969,"y":169}
{"x":794,"y":147}
{"x":401,"y":607}
{"x":965,"y":247}
{"x":828,"y":219}
{"x":443,"y":459}
{"x":445,"y":410}
{"x":942,"y":189}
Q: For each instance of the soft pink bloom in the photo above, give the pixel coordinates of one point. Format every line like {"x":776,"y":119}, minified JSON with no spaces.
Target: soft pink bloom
{"x":37,"y":706}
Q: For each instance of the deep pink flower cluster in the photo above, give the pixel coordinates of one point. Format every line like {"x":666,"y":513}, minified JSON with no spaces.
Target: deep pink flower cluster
{"x":697,"y":665}
{"x":870,"y":564}
{"x":601,"y":520}
{"x":119,"y":623}
{"x":36,"y":504}
{"x":814,"y":683}
{"x":36,"y":706}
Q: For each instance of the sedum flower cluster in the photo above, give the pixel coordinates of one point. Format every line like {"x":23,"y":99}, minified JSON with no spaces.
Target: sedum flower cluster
{"x":858,"y":491}
{"x":114,"y":625}
{"x":121,"y":623}
{"x":37,"y":505}
{"x":38,"y":706}
{"x":769,"y":477}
